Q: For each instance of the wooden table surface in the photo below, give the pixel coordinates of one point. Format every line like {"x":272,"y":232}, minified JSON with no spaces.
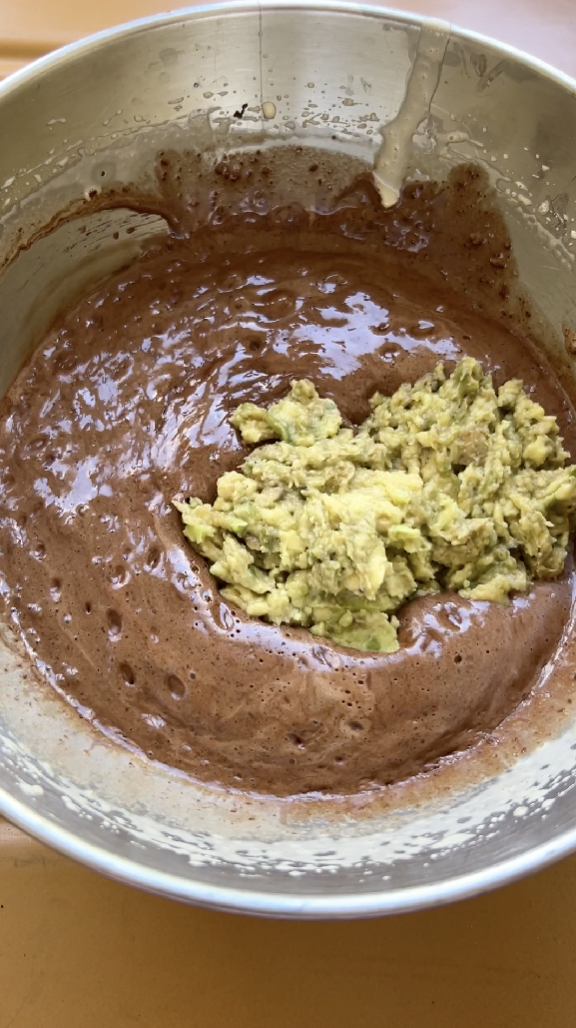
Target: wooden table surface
{"x":78,"y":951}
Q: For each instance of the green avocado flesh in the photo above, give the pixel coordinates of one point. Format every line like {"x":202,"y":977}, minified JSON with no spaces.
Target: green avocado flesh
{"x":447,"y":485}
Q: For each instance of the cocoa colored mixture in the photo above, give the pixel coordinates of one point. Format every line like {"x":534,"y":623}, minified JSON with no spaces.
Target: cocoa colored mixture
{"x":125,"y":405}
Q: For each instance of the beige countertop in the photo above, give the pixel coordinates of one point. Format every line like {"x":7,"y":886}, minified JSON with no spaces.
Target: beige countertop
{"x":78,"y":951}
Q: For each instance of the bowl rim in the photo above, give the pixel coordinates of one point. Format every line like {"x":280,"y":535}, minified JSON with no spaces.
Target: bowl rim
{"x":234,"y":898}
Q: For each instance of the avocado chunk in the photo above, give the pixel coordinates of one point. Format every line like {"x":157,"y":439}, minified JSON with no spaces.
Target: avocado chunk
{"x":447,"y":485}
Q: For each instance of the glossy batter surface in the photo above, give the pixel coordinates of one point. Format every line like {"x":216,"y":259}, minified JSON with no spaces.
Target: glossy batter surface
{"x":125,"y":406}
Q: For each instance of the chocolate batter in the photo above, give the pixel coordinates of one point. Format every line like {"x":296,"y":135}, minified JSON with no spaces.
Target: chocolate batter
{"x":125,"y":406}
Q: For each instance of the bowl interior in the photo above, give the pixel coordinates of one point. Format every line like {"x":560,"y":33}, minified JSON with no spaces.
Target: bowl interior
{"x":93,"y":116}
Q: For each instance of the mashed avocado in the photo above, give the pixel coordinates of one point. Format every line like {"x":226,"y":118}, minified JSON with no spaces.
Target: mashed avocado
{"x":448,"y":484}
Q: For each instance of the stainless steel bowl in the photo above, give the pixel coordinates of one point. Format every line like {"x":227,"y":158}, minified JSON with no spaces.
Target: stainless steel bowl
{"x":330,"y":75}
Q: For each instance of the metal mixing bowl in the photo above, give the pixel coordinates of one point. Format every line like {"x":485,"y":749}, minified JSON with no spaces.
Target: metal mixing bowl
{"x":329,"y":75}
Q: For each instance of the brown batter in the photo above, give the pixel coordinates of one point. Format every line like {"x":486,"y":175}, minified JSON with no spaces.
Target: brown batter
{"x":125,"y":406}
